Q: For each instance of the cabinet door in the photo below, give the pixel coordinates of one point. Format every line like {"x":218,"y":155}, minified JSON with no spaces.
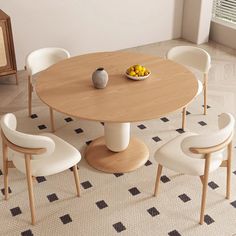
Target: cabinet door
{"x":5,"y":62}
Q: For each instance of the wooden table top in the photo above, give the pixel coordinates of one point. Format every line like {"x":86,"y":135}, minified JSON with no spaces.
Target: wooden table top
{"x":67,"y":87}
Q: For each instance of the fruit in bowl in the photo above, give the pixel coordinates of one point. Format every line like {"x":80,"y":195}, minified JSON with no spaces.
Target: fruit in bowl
{"x":137,"y":72}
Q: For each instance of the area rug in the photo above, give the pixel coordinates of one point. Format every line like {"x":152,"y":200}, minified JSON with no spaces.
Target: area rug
{"x":120,"y":204}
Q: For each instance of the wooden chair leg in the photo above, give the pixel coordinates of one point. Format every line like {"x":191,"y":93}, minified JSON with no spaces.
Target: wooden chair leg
{"x":16,"y":76}
{"x":77,"y":182}
{"x":30,"y":187}
{"x":184,"y":118}
{"x":5,"y":170}
{"x":229,"y":160}
{"x":202,"y":178}
{"x":52,"y":120}
{"x":204,"y":188}
{"x":159,"y":170}
{"x":29,"y":97}
{"x":34,"y":179}
{"x":205,"y":93}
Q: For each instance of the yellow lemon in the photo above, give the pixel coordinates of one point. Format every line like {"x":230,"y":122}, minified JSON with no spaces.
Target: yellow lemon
{"x":137,"y":67}
{"x":132,"y":73}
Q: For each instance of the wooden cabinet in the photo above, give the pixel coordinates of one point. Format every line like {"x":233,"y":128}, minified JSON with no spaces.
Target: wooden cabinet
{"x":7,"y":52}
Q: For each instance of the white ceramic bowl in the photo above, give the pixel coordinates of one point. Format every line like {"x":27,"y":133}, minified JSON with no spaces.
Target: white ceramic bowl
{"x":138,"y":78}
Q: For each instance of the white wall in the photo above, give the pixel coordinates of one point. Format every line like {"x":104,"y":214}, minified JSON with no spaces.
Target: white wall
{"x":83,"y":26}
{"x":190,"y":22}
{"x":196,"y":20}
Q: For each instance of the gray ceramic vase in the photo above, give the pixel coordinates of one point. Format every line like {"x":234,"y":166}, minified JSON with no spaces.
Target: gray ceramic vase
{"x":100,"y":78}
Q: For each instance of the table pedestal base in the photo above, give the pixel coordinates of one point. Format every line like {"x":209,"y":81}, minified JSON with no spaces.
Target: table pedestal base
{"x":101,"y":158}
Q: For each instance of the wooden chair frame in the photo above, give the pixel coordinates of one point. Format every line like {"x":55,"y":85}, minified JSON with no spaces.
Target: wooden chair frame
{"x":30,"y":91}
{"x":205,"y":101}
{"x":28,"y":152}
{"x":204,"y":178}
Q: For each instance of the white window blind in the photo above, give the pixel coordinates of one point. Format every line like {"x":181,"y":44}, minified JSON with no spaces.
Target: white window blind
{"x":225,"y":10}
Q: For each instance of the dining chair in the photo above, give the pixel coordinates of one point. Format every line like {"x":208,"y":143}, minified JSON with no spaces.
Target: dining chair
{"x":40,"y":60}
{"x":198,"y":155}
{"x":35,"y":155}
{"x":198,"y":59}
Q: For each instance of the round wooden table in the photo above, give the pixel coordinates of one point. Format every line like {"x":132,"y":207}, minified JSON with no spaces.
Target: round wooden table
{"x":67,"y":87}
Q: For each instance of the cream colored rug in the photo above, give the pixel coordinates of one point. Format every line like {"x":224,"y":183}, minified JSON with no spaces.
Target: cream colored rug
{"x":120,"y":204}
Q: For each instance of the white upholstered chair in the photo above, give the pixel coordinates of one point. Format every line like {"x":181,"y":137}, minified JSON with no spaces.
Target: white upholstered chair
{"x":36,"y":155}
{"x":196,"y":58}
{"x":198,"y":155}
{"x":40,"y":60}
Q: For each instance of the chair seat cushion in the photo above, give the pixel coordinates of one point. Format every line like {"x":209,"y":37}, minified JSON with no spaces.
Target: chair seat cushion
{"x":64,"y":157}
{"x":171,"y":156}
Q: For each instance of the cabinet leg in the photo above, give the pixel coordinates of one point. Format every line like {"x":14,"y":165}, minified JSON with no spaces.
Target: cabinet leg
{"x":16,"y":76}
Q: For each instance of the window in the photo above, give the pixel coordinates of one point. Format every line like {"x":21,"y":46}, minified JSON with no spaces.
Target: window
{"x":225,"y":10}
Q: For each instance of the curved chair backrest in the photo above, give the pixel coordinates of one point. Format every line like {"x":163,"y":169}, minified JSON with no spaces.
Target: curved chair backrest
{"x":190,"y":56}
{"x":41,"y":59}
{"x":8,"y":125}
{"x":226,"y":128}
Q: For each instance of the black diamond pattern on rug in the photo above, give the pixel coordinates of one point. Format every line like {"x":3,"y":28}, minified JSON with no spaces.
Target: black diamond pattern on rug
{"x":156,"y":139}
{"x":233,"y":203}
{"x":164,"y":179}
{"x":174,"y":233}
{"x":40,"y":179}
{"x":0,"y":172}
{"x":187,"y":113}
{"x":164,"y":119}
{"x":101,"y":204}
{"x":102,"y":123}
{"x":134,"y":191}
{"x":119,"y":227}
{"x":3,"y":190}
{"x":68,"y":119}
{"x":27,"y":233}
{"x":148,"y":163}
{"x":42,"y":127}
{"x":86,"y":184}
{"x":142,"y":126}
{"x":34,"y":116}
{"x":118,"y":174}
{"x":207,"y":106}
{"x":153,"y":211}
{"x":202,"y":123}
{"x":15,"y":211}
{"x":78,"y":131}
{"x":184,"y":197}
{"x":180,"y":131}
{"x":88,"y":142}
{"x":234,"y":172}
{"x":208,"y":220}
{"x":66,"y":219}
{"x":213,"y":185}
{"x":52,"y":197}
